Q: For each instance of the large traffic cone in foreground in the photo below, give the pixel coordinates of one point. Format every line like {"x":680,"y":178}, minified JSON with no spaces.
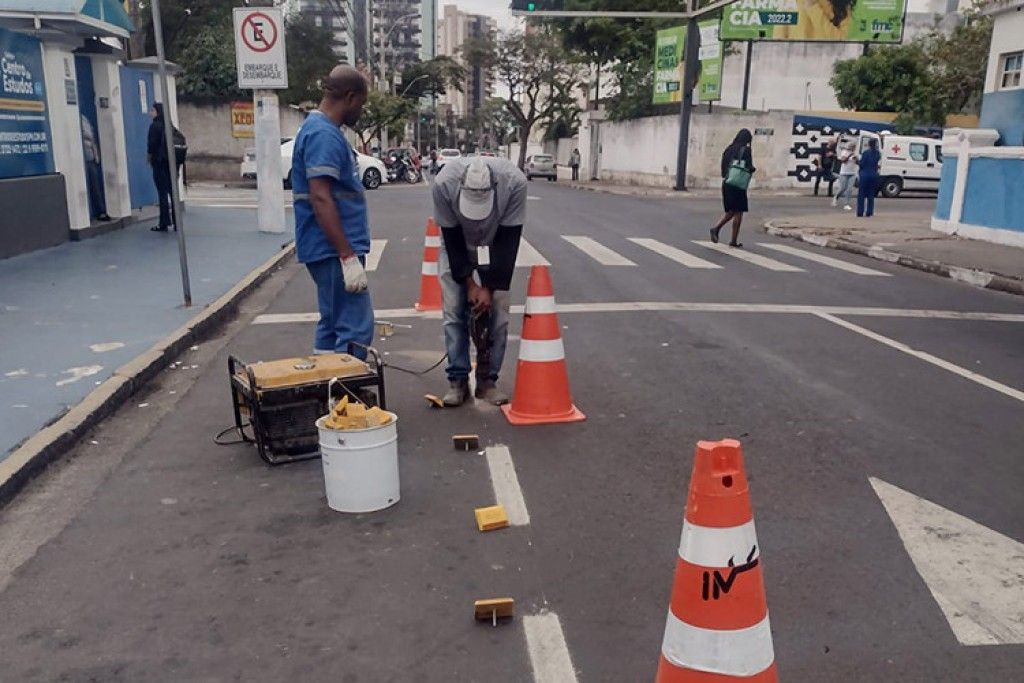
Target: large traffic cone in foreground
{"x":717,"y":629}
{"x":430,"y":283}
{"x":542,"y":393}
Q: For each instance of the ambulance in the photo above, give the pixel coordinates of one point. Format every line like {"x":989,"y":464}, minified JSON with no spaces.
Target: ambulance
{"x":909,"y":162}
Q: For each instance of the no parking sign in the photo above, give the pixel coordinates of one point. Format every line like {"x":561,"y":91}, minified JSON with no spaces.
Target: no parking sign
{"x":259,"y":48}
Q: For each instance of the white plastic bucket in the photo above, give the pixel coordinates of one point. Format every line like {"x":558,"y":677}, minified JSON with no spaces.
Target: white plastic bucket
{"x":360,"y":466}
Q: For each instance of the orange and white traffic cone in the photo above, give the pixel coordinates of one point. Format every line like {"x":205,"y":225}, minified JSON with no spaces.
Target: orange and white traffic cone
{"x":542,"y":393}
{"x":430,"y":282}
{"x":717,"y":629}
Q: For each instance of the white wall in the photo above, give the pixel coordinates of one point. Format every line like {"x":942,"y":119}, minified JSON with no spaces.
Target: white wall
{"x":1007,"y":36}
{"x":66,"y":130}
{"x":113,"y":147}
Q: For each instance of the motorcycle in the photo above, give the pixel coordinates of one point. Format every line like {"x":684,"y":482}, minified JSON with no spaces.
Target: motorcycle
{"x":402,"y":168}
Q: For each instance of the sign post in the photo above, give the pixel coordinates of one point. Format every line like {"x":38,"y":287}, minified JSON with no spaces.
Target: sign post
{"x":262,"y":67}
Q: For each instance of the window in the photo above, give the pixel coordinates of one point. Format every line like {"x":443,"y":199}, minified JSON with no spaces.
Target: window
{"x":938,"y":153}
{"x":1012,"y":65}
{"x":319,"y":21}
{"x":918,"y":151}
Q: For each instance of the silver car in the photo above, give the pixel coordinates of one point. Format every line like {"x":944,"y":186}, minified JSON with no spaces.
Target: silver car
{"x":541,"y":166}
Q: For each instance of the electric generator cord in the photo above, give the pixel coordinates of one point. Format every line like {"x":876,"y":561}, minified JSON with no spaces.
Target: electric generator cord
{"x":232,"y":428}
{"x":418,"y":373}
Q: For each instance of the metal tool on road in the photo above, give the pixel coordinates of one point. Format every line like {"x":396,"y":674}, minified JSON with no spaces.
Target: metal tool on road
{"x":480,"y":333}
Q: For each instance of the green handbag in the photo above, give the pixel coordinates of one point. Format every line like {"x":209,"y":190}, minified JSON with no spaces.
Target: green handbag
{"x":739,"y":175}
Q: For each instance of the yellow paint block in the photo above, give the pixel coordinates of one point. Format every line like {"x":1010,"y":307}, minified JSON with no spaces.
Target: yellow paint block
{"x":494,"y":608}
{"x":491,"y":518}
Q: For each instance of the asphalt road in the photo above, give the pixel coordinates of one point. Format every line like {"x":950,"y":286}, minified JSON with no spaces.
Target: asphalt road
{"x":155,"y":555}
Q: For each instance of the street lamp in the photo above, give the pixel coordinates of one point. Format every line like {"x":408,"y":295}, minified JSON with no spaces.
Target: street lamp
{"x":385,"y":38}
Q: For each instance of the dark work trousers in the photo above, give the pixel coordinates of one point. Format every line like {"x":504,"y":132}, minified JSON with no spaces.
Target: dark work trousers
{"x":575,"y":171}
{"x":831,"y":179}
{"x":162,"y":180}
{"x":867,"y":185}
{"x":94,"y":183}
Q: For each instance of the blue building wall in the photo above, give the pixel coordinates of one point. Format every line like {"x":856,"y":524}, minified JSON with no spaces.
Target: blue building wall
{"x":947,"y":181}
{"x":137,"y":96}
{"x":994,"y":196}
{"x":1004,"y":111}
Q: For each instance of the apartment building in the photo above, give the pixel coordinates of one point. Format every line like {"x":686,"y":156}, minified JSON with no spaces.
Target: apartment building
{"x":454,"y":29}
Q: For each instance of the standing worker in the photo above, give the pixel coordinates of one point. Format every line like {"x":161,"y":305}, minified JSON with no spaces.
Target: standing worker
{"x":156,"y":152}
{"x":574,"y":163}
{"x":868,"y":179}
{"x":848,"y":169}
{"x":332,"y":234}
{"x":480,"y":206}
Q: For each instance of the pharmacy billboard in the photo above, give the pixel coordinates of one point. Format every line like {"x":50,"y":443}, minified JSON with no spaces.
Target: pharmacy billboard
{"x":669,"y":50}
{"x":825,"y":21}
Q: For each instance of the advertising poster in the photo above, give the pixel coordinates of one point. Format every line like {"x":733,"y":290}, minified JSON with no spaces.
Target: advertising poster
{"x":670,"y":44}
{"x":835,"y":21}
{"x":243,"y":120}
{"x":24,"y":126}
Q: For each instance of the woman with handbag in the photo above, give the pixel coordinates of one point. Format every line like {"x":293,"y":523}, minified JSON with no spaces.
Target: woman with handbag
{"x":737,"y":169}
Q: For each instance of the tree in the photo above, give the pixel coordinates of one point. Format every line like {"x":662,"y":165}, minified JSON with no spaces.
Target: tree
{"x":536,"y":72}
{"x":885,"y":79}
{"x":208,"y":68}
{"x":310,"y":58}
{"x":382,"y":110}
{"x":433,"y":77}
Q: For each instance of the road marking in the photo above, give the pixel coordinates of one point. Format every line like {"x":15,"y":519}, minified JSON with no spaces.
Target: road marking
{"x":756,"y":259}
{"x":973,"y":572}
{"x":673,"y":254}
{"x":927,"y":357}
{"x":506,"y":484}
{"x":687,"y":307}
{"x":597,"y":251}
{"x":376,"y":251}
{"x":528,"y":256}
{"x":549,"y":655}
{"x":825,"y":260}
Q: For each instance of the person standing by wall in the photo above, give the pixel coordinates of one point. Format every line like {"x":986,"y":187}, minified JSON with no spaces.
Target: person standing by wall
{"x":868,"y":180}
{"x":574,"y":163}
{"x":824,"y":165}
{"x":847,"y":171}
{"x":480,"y":206}
{"x":737,"y":169}
{"x":156,"y":152}
{"x":332,"y":233}
{"x":93,"y":177}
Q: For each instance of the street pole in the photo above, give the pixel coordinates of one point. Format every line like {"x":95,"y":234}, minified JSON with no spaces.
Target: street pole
{"x":270,"y":216}
{"x":172,"y":164}
{"x":691,"y":53}
{"x":746,"y":74}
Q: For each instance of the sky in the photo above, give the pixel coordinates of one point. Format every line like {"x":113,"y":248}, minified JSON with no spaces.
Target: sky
{"x":493,"y":8}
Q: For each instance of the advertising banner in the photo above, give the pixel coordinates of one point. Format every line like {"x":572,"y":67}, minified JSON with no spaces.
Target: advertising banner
{"x":242,"y":120}
{"x":835,"y":21}
{"x":24,"y":126}
{"x":669,"y":50}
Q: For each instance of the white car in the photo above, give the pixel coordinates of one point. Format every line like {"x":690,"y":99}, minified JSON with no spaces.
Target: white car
{"x":371,"y":170}
{"x":445,"y":155}
{"x":911,"y":163}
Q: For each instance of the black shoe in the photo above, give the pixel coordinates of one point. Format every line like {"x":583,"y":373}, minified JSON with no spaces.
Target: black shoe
{"x":738,"y":245}
{"x":103,"y":217}
{"x":714,"y":234}
{"x":159,"y":228}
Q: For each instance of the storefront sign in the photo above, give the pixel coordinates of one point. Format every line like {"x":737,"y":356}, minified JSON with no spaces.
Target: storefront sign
{"x":835,"y":21}
{"x":242,"y":120}
{"x":24,"y":126}
{"x":259,"y":48}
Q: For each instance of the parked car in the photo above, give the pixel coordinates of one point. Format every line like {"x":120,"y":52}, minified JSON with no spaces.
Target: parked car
{"x":371,"y":170}
{"x":541,"y":166}
{"x":909,"y":162}
{"x":445,"y":155}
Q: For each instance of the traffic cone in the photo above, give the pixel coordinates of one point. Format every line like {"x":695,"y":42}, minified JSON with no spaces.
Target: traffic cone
{"x":542,"y":393}
{"x":430,"y":283}
{"x":717,"y":627}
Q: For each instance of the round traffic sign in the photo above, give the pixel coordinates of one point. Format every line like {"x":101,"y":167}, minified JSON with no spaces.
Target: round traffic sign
{"x":259,"y":32}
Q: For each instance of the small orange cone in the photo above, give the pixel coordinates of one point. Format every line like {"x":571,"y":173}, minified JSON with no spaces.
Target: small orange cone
{"x":542,"y":393}
{"x":717,"y":629}
{"x":430,"y":283}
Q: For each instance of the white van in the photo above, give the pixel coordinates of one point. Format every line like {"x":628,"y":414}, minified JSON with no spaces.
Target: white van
{"x":909,"y":162}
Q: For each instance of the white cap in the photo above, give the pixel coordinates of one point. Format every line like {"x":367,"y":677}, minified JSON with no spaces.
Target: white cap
{"x":476,"y":199}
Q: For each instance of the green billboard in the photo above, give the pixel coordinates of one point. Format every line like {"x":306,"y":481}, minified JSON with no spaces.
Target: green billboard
{"x":827,"y":21}
{"x":669,"y":50}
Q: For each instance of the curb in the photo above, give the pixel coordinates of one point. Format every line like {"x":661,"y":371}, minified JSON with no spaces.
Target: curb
{"x":52,"y":441}
{"x":664,"y":193}
{"x":978,"y":278}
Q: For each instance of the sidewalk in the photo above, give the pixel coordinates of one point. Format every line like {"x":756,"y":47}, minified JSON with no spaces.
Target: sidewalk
{"x":906,"y":238}
{"x":70,"y":316}
{"x":646,"y":191}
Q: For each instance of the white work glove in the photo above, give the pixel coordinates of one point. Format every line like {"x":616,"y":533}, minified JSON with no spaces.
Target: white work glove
{"x":354,"y":274}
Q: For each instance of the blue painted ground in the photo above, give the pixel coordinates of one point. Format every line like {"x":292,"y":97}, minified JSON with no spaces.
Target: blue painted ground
{"x":121,"y":291}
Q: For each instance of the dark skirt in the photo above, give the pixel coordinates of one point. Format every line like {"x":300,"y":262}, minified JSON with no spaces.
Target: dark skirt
{"x":734,"y":199}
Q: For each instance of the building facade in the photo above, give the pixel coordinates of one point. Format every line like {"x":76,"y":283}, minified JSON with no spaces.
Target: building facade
{"x":395,"y":24}
{"x":454,"y":29}
{"x":339,"y":17}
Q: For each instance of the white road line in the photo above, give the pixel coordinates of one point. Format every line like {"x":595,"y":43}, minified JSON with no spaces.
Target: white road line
{"x":528,"y":256}
{"x":597,"y":251}
{"x":376,"y":251}
{"x":673,"y":254}
{"x":688,"y":307}
{"x":549,"y":655}
{"x":506,"y":485}
{"x":756,"y":259}
{"x":825,"y":260}
{"x":927,"y":357}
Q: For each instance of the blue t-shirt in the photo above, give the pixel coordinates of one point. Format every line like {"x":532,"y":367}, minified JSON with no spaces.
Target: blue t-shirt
{"x":321,"y":151}
{"x":869,"y":161}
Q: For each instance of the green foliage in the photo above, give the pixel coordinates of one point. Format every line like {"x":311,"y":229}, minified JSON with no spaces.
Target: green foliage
{"x":433,"y":77}
{"x":310,"y":58}
{"x":883,"y":80}
{"x":382,"y":110}
{"x":208,"y":68}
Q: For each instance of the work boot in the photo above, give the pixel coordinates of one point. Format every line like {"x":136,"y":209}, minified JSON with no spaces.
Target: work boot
{"x":489,"y":392}
{"x":457,"y":394}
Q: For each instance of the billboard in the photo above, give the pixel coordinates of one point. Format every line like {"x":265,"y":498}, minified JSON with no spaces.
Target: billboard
{"x":669,"y":49}
{"x":24,"y":125}
{"x":243,"y":120}
{"x":829,"y":21}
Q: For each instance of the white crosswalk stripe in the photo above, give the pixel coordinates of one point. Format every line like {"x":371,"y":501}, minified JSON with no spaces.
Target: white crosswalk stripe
{"x":756,"y":259}
{"x":825,"y":260}
{"x":528,"y":256}
{"x":376,"y":251}
{"x":678,"y":255}
{"x":597,"y":251}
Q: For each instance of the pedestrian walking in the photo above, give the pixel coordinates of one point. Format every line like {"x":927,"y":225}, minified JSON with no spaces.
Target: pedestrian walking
{"x":332,"y":233}
{"x":574,"y":163}
{"x":156,"y":152}
{"x":480,"y":206}
{"x":847,"y":171}
{"x":868,"y":179}
{"x":737,"y":169}
{"x":825,"y":167}
{"x":93,"y":177}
